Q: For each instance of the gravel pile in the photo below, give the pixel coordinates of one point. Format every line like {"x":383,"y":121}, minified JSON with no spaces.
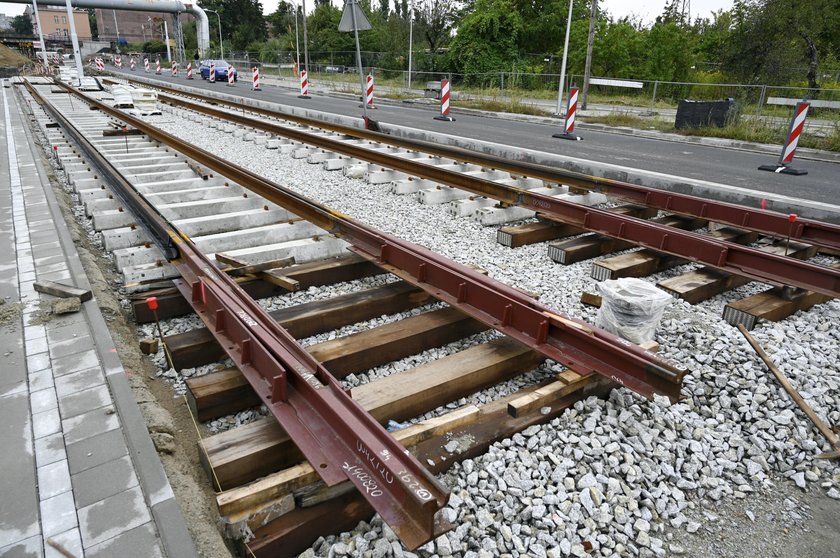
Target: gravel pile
{"x":615,"y":477}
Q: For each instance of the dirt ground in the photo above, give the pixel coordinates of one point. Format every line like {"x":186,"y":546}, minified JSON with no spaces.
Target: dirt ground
{"x":167,"y":417}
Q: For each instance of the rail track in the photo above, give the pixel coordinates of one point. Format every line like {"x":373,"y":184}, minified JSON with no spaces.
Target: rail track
{"x":413,"y":166}
{"x":265,"y":489}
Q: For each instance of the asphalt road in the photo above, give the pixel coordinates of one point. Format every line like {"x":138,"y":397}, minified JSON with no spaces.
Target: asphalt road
{"x":714,"y":164}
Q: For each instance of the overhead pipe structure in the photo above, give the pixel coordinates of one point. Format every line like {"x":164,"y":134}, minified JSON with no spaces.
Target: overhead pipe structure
{"x":167,"y":6}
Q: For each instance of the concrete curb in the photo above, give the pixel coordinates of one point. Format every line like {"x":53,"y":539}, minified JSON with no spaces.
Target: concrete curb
{"x":670,"y":183}
{"x":169,"y":521}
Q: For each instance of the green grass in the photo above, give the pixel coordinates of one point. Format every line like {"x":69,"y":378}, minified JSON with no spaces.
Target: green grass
{"x":492,"y":105}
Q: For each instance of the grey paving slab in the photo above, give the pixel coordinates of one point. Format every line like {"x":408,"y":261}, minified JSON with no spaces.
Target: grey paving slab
{"x":71,"y":541}
{"x":104,"y":481}
{"x":95,"y":451}
{"x":53,"y":479}
{"x":76,"y":362}
{"x":58,"y":514}
{"x":140,"y":542}
{"x":29,"y":548}
{"x":56,"y":334}
{"x":43,"y":400}
{"x":41,"y":380}
{"x":89,"y":424}
{"x":50,"y":449}
{"x":37,"y":362}
{"x":84,"y":401}
{"x":35,"y":346}
{"x":68,"y":347}
{"x":17,"y":483}
{"x":78,"y":381}
{"x":34,"y":332}
{"x":46,"y":423}
{"x":112,"y":516}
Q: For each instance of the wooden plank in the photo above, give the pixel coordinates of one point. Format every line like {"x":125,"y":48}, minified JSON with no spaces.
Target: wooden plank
{"x":110,"y":132}
{"x":198,"y":346}
{"x":368,"y":349}
{"x":293,"y":532}
{"x":62,"y":291}
{"x":773,"y":305}
{"x":220,"y":393}
{"x":256,"y":449}
{"x":547,"y":396}
{"x":590,"y":299}
{"x":312,"y":274}
{"x":706,"y":282}
{"x":238,"y":268}
{"x":592,"y":245}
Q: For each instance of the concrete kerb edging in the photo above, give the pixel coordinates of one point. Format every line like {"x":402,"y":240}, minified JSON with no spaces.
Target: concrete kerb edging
{"x":169,"y":520}
{"x":670,"y":183}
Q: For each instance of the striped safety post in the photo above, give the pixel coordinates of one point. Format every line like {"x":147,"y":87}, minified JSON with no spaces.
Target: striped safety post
{"x":212,"y":75}
{"x":146,"y":65}
{"x":118,"y":62}
{"x":230,"y":76}
{"x":797,"y":124}
{"x":100,"y":64}
{"x":174,"y":68}
{"x":189,"y":70}
{"x":369,"y":92}
{"x":571,"y":111}
{"x":256,"y":85}
{"x":304,"y":85}
{"x":157,"y":66}
{"x":444,"y":102}
{"x":132,"y":63}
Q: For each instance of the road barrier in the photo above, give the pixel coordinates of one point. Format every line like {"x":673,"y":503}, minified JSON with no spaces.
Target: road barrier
{"x":212,"y":75}
{"x":189,"y":70}
{"x":369,"y":92}
{"x":132,"y":63}
{"x":256,"y":85}
{"x":118,"y":62}
{"x":304,"y":85}
{"x":174,"y":69}
{"x":797,"y":123}
{"x":146,"y":64}
{"x":157,"y":66}
{"x":444,"y":102}
{"x":230,"y":77}
{"x":569,"y":123}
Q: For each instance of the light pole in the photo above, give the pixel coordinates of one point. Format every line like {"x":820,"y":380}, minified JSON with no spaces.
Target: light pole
{"x":221,"y":44}
{"x":75,"y":40}
{"x":117,"y":28}
{"x":305,"y":42}
{"x":143,"y":28}
{"x":410,"y":38}
{"x":41,"y":37}
{"x":563,"y":64}
{"x":297,"y":41}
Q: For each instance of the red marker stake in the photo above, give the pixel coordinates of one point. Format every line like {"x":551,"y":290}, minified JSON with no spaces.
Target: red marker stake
{"x":791,"y":220}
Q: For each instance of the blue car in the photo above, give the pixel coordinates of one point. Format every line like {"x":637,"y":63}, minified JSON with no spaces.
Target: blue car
{"x":221,"y":70}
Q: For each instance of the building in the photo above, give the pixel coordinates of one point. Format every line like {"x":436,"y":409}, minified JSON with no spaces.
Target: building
{"x":55,"y":25}
{"x":5,"y":22}
{"x":135,"y":27}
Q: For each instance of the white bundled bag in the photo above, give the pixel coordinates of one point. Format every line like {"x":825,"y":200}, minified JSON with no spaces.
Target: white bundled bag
{"x":631,"y":308}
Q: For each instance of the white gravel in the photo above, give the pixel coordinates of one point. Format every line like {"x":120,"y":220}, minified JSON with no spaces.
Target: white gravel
{"x":610,"y":477}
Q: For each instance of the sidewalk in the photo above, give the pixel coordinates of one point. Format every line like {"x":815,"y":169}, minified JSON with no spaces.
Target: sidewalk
{"x":80,"y":473}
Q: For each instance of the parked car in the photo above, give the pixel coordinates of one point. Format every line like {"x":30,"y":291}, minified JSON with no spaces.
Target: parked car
{"x":221,"y":70}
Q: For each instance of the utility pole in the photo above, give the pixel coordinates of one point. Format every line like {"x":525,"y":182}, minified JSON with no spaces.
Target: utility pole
{"x":587,"y":73}
{"x":305,"y":43}
{"x":560,"y":87}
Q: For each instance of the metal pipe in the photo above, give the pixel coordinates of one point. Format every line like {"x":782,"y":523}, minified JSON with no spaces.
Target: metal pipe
{"x":77,"y":54}
{"x":41,"y":36}
{"x":168,"y":6}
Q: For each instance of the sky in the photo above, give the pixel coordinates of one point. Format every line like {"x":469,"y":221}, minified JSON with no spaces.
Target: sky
{"x":647,"y":10}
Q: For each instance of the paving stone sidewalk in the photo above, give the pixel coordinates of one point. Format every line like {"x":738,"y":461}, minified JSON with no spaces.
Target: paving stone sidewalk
{"x":80,"y":473}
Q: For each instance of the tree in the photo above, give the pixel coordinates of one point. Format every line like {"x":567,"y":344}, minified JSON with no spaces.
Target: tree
{"x":487,"y":38}
{"x":22,"y":25}
{"x":435,"y":20}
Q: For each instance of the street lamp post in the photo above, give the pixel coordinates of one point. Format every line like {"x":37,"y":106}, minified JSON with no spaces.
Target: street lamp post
{"x":221,"y":44}
{"x":410,"y":38}
{"x":563,"y":64}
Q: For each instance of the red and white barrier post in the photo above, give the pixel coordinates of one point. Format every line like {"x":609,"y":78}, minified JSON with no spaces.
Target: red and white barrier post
{"x":146,"y":65}
{"x":157,"y":66}
{"x":100,"y":64}
{"x":230,"y":76}
{"x":212,"y":75}
{"x":571,"y":112}
{"x":118,"y":62}
{"x":444,"y":102}
{"x":369,"y":92}
{"x":797,"y":124}
{"x":189,"y":70}
{"x":174,"y":68}
{"x":256,"y":85}
{"x":132,"y":63}
{"x":304,"y":85}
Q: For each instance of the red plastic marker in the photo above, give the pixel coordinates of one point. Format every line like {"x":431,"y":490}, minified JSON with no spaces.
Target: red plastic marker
{"x":151,"y":302}
{"x":125,"y":132}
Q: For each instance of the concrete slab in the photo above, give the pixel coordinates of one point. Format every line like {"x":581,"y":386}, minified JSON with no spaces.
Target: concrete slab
{"x":17,"y":483}
{"x":78,"y":381}
{"x":104,"y":481}
{"x":95,"y":451}
{"x":89,"y":424}
{"x":82,"y":401}
{"x":28,"y":548}
{"x":58,"y":514}
{"x":140,"y":542}
{"x":112,"y":516}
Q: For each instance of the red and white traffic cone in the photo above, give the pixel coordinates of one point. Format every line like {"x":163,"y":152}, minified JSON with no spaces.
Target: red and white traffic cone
{"x":230,"y":77}
{"x":189,"y":70}
{"x":304,"y":85}
{"x":157,"y":66}
{"x":212,"y":75}
{"x":569,"y":124}
{"x":132,"y":63}
{"x":797,"y":124}
{"x":256,"y":85}
{"x":174,"y":69}
{"x":146,"y":65}
{"x":444,"y":102}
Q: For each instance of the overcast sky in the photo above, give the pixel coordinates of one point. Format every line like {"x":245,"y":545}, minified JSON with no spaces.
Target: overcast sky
{"x":647,"y":10}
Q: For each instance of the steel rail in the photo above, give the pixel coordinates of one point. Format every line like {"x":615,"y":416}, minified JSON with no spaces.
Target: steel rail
{"x":571,"y":342}
{"x":335,"y":434}
{"x":766,"y":222}
{"x":727,"y":256}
